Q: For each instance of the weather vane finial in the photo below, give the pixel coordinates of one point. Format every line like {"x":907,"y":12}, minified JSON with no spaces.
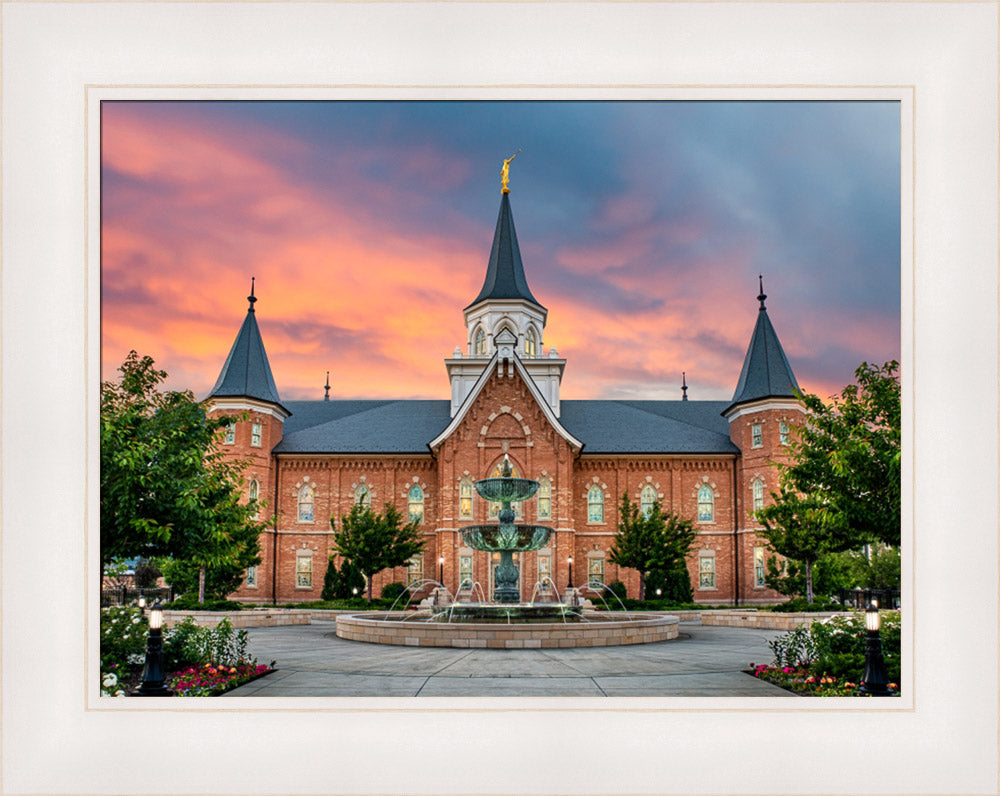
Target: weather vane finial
{"x":761,"y":297}
{"x":505,"y":173}
{"x":251,"y":298}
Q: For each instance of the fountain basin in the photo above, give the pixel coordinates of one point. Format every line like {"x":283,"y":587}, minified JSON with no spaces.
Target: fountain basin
{"x":505,"y":613}
{"x":597,"y":629}
{"x":506,"y":489}
{"x":497,"y":538}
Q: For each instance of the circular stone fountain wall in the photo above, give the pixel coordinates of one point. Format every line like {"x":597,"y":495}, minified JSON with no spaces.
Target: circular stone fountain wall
{"x":597,"y":630}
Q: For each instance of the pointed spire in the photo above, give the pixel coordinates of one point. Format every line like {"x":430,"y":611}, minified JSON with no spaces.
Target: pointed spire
{"x":326,"y":387}
{"x":766,"y":372}
{"x":684,"y":386}
{"x":247,"y":372}
{"x":505,"y":273}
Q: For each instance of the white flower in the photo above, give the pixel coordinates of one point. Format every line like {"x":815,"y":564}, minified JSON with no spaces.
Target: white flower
{"x":119,"y":692}
{"x":135,"y":620}
{"x":109,"y":681}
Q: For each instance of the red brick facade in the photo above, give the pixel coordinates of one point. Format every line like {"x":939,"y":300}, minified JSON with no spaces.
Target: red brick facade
{"x":505,"y":417}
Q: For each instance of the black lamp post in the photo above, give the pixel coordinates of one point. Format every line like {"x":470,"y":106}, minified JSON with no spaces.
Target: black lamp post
{"x":569,"y":562}
{"x":153,"y":676}
{"x":874,"y":680}
{"x":441,"y":571}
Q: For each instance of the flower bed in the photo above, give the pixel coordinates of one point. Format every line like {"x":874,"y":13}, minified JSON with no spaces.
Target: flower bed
{"x":801,"y":680}
{"x":208,"y":680}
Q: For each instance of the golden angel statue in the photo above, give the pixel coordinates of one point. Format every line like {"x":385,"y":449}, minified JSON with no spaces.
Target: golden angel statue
{"x":505,"y":173}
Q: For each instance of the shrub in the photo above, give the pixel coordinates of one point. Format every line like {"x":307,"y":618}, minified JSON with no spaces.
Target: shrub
{"x":190,"y":645}
{"x":189,"y":602}
{"x":614,"y":589}
{"x":123,"y":637}
{"x":392,"y":590}
{"x":801,"y":605}
{"x":795,"y":648}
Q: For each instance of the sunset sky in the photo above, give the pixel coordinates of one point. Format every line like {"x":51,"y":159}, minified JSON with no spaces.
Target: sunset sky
{"x":367,"y":225}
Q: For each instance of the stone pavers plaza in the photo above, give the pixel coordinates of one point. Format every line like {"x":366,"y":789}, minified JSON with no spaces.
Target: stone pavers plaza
{"x":703,"y":661}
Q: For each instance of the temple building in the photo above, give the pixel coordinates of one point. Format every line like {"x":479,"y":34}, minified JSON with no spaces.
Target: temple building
{"x":709,"y":461}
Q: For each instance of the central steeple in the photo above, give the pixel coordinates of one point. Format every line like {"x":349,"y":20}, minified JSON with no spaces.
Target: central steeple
{"x":505,"y":302}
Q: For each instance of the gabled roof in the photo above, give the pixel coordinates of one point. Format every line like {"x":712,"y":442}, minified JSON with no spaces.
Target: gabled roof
{"x":477,"y":388}
{"x":247,"y":373}
{"x":505,"y":273}
{"x":766,"y":372}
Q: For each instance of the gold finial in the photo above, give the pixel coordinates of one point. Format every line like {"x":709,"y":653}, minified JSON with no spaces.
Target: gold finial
{"x":505,"y":173}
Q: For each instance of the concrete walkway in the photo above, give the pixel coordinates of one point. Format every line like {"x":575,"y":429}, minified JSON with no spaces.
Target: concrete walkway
{"x":703,"y":661}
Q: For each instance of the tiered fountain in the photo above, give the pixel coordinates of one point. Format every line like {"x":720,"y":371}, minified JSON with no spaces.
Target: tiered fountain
{"x":524,"y":625}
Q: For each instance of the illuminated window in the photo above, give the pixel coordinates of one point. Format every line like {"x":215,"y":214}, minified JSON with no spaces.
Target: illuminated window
{"x":255,"y":434}
{"x":415,"y":570}
{"x":759,"y":567}
{"x":706,"y":572}
{"x":544,"y":569}
{"x":253,"y":492}
{"x":646,"y":499}
{"x":595,"y":504}
{"x":465,"y":499}
{"x":783,"y":432}
{"x":595,"y":571}
{"x":479,"y":346}
{"x":306,"y":500}
{"x":415,"y":503}
{"x":252,"y":577}
{"x":530,"y":344}
{"x":757,"y":435}
{"x":544,"y":499}
{"x":363,"y":496}
{"x":706,"y":504}
{"x":230,"y":437}
{"x":304,"y":570}
{"x":758,"y":494}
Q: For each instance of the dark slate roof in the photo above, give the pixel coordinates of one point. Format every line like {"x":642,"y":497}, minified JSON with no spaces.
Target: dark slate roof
{"x":766,"y":372}
{"x":390,"y":426}
{"x":648,"y":426}
{"x":505,"y":273}
{"x":247,"y":372}
{"x":363,"y":426}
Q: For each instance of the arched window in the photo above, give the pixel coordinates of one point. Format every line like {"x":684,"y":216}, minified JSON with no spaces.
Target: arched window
{"x":758,"y":494}
{"x":495,"y":507}
{"x":415,"y":569}
{"x":706,"y":504}
{"x":465,"y":500}
{"x":479,"y":343}
{"x":646,"y":499}
{"x":363,"y":496}
{"x":595,"y":504}
{"x":306,"y":499}
{"x":415,"y":503}
{"x":544,"y":499}
{"x":530,"y":344}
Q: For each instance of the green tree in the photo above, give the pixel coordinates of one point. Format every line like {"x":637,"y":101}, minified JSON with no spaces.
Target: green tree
{"x":166,"y":488}
{"x":340,"y":584}
{"x":373,"y":542}
{"x":649,"y":542}
{"x":842,"y":489}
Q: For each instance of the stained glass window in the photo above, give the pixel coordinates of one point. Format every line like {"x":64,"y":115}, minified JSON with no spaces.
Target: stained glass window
{"x":465,"y":500}
{"x":783,"y":432}
{"x":304,"y":571}
{"x":757,"y":435}
{"x":595,"y":504}
{"x":646,"y":499}
{"x":416,"y":503}
{"x":255,"y":434}
{"x":758,"y":495}
{"x":479,"y":346}
{"x":759,"y":567}
{"x":706,"y":572}
{"x":230,"y":434}
{"x":595,"y":571}
{"x":415,"y":570}
{"x":306,"y":496}
{"x":465,"y":571}
{"x":252,"y":576}
{"x":544,"y":500}
{"x":363,"y":496}
{"x":706,"y":504}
